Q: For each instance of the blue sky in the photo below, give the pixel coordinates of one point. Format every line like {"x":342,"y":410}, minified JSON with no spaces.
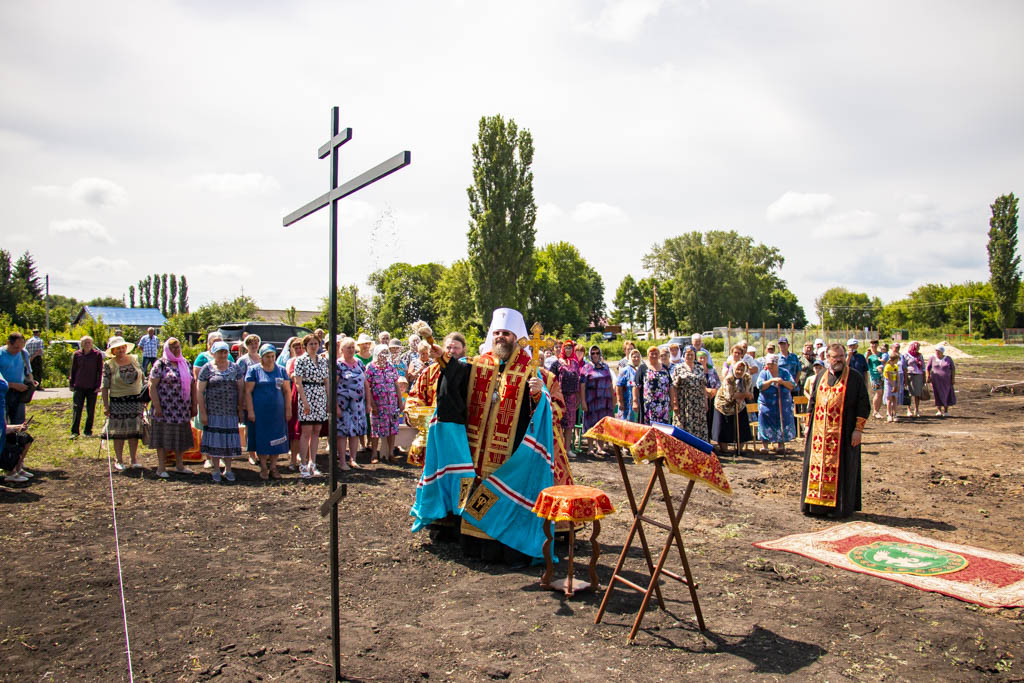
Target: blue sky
{"x":865,"y":140}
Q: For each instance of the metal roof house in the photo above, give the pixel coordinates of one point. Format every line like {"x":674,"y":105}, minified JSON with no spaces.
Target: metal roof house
{"x":122,"y":317}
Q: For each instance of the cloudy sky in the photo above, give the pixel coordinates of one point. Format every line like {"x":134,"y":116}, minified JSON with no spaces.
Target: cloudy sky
{"x":865,"y":140}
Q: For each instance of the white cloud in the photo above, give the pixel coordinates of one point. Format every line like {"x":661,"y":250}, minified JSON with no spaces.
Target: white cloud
{"x":83,"y":226}
{"x":799,"y":205}
{"x":622,"y":20}
{"x":235,"y":184}
{"x":851,"y":225}
{"x":97,"y":192}
{"x":229,"y":270}
{"x":99,"y":263}
{"x":598,"y":212}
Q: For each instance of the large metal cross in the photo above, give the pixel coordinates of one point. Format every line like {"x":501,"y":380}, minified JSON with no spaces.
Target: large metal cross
{"x":537,"y":344}
{"x":330,"y":148}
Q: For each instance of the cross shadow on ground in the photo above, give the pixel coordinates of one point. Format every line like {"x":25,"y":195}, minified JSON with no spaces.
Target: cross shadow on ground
{"x":903,"y":522}
{"x":769,"y":652}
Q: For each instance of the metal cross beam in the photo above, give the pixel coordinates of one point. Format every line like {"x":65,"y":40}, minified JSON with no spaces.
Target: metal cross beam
{"x":330,"y":148}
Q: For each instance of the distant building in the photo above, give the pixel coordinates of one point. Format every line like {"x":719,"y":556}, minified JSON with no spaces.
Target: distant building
{"x":122,"y":317}
{"x":275,"y":315}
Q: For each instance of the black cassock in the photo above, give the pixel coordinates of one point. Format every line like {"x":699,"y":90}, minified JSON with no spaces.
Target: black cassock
{"x":855,"y":405}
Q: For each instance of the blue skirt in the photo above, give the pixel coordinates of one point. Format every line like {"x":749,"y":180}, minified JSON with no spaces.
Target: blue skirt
{"x":220,"y":437}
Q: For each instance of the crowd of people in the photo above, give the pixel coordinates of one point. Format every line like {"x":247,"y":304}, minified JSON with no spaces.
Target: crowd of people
{"x":265,"y":404}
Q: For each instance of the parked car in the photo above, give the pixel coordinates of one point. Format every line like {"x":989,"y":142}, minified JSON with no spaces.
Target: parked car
{"x":608,"y":336}
{"x":73,"y":343}
{"x":271,"y":333}
{"x":682,"y":341}
{"x":709,"y":334}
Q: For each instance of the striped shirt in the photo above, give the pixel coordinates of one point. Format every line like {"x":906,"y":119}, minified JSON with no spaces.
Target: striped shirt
{"x":34,"y":347}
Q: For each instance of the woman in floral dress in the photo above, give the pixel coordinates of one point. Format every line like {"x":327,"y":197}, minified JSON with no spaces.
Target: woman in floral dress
{"x":221,"y":388}
{"x":596,"y":394}
{"x":382,"y":400}
{"x":173,"y":392}
{"x":568,"y":370}
{"x":689,"y":395}
{"x":351,"y":406}
{"x":310,"y":378}
{"x":653,"y":387}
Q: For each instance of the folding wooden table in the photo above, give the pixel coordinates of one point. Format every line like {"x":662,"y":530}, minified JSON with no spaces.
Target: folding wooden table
{"x":663,"y":452}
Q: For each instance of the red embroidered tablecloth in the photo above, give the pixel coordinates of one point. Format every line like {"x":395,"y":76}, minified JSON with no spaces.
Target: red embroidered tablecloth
{"x":572,"y":504}
{"x":648,"y":444}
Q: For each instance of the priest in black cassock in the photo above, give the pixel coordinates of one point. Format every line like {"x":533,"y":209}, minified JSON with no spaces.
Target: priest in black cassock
{"x":837,"y":412}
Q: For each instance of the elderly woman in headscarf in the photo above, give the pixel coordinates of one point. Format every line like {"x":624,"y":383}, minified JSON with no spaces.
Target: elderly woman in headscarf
{"x":596,"y":389}
{"x":689,"y":395}
{"x":123,"y":403}
{"x":941,"y":374}
{"x":915,"y":371}
{"x":567,"y":368}
{"x":731,"y":423}
{"x":775,"y":404}
{"x":382,"y":401}
{"x":268,"y":395}
{"x":172,"y":390}
{"x":625,"y":384}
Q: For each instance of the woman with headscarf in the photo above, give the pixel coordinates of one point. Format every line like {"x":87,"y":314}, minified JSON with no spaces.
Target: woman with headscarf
{"x":731,"y":423}
{"x":915,"y":370}
{"x":122,"y":401}
{"x":294,"y":352}
{"x":737,"y":353}
{"x":286,"y":352}
{"x":942,"y":375}
{"x":568,"y":369}
{"x":775,"y":404}
{"x":713,"y":383}
{"x":596,"y":395}
{"x":221,"y":388}
{"x":625,"y":385}
{"x":653,"y":389}
{"x":689,"y":395}
{"x":310,"y":378}
{"x":382,"y":400}
{"x":248,"y":356}
{"x":172,"y":391}
{"x":268,"y":394}
{"x":351,"y":402}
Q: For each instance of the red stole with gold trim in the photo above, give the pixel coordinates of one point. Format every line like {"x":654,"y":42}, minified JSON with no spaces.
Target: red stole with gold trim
{"x":495,"y":399}
{"x":826,"y":442}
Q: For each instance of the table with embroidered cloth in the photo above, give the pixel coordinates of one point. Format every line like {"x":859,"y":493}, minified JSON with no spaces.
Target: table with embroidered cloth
{"x":573,"y":504}
{"x":686,"y":456}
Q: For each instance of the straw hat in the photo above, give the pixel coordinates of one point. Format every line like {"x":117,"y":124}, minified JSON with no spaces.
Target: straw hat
{"x":114,"y":342}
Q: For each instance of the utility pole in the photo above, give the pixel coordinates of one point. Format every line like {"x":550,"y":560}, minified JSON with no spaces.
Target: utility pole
{"x":47,"y":301}
{"x":654,"y":288}
{"x":968,"y":319}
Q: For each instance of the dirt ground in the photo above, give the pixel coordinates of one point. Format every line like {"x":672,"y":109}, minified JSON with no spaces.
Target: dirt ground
{"x":232,"y":581}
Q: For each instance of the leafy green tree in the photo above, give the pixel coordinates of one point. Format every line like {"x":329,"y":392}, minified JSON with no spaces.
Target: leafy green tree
{"x":208,"y":316}
{"x":1003,"y":259}
{"x":349,"y":322}
{"x":628,"y":302}
{"x":405,"y":294}
{"x":455,"y":299}
{"x":784,"y":309}
{"x":111,"y":301}
{"x":839,"y":307}
{"x":9,"y":293}
{"x":182,"y":295}
{"x":566,"y":289}
{"x":716,"y":276}
{"x":25,"y":271}
{"x":172,"y":300}
{"x":502,"y":213}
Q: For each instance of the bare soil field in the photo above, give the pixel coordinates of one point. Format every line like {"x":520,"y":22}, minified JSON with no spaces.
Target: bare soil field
{"x":231,"y":581}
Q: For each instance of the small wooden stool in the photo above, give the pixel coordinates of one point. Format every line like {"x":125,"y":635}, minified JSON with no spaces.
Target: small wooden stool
{"x":573,"y":504}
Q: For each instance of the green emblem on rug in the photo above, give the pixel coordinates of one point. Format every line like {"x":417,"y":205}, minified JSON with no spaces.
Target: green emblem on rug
{"x":893,"y":557}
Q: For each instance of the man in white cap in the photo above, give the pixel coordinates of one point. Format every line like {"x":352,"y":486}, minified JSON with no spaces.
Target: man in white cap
{"x":753,"y":362}
{"x":501,"y":392}
{"x":857,"y":361}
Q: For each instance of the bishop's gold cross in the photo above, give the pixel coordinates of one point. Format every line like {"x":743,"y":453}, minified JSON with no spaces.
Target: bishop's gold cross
{"x":536,"y":343}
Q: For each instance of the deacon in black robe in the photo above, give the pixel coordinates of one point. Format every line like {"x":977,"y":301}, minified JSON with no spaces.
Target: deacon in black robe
{"x":834,"y":489}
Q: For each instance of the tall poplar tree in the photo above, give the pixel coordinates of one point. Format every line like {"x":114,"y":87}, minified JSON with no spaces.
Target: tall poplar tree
{"x":131,"y":295}
{"x":172,"y":300}
{"x":156,"y":290}
{"x":1003,"y":260}
{"x":502,"y":213}
{"x":163,"y":293}
{"x":182,"y":295}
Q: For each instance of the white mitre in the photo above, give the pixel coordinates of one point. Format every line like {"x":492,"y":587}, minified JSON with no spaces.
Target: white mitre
{"x":505,"y":319}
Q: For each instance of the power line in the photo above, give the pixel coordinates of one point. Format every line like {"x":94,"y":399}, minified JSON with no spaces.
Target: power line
{"x":873,"y":307}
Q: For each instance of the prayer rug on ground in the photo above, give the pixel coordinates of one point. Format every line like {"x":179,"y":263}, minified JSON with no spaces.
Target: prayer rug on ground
{"x":970,"y":574}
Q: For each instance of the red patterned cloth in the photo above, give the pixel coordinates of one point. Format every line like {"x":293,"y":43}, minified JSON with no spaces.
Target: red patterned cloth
{"x":649,"y":444}
{"x":572,"y":504}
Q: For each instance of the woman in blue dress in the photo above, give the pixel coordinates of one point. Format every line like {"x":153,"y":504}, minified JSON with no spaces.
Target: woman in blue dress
{"x":268,"y":394}
{"x":775,"y":404}
{"x":351,"y":406}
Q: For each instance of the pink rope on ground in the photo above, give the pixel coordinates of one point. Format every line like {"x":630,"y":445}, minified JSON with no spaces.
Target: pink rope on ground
{"x":117,"y":548}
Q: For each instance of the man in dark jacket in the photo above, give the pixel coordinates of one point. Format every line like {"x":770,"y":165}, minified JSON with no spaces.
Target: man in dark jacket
{"x":86,"y":374}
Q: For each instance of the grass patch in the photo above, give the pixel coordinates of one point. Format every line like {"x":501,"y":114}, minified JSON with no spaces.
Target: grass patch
{"x":992,"y":352}
{"x":51,"y":429}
